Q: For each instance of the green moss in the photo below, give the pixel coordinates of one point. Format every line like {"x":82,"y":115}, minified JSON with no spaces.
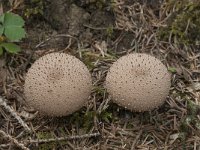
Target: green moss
{"x":34,"y":7}
{"x":42,"y":135}
{"x":130,"y":125}
{"x":190,"y":120}
{"x":83,"y":120}
{"x":105,"y":116}
{"x":172,"y":69}
{"x":182,"y":137}
{"x":99,"y":90}
{"x":192,"y":108}
{"x":89,"y":58}
{"x":110,"y":31}
{"x":184,"y":24}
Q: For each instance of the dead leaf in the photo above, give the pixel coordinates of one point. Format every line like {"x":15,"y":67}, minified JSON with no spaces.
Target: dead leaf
{"x":196,"y":86}
{"x":186,"y":74}
{"x":102,"y":47}
{"x":174,"y":137}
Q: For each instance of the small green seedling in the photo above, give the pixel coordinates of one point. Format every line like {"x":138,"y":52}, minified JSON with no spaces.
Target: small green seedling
{"x":11,"y":30}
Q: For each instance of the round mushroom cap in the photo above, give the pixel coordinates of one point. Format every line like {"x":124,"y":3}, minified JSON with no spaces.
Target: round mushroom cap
{"x":138,"y":82}
{"x":57,"y":84}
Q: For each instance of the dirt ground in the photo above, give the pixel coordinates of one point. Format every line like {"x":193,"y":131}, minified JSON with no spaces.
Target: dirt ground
{"x":98,"y":34}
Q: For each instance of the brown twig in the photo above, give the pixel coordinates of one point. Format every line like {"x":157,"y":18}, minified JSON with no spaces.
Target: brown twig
{"x":63,"y":138}
{"x":136,"y":139}
{"x":14,"y":114}
{"x":14,"y":140}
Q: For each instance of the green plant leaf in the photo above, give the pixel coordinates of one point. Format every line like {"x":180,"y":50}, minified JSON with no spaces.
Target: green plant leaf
{"x":1,"y":24}
{"x":1,"y":29}
{"x":13,"y":27}
{"x":2,"y":18}
{"x":11,"y":19}
{"x":11,"y":47}
{"x":1,"y":50}
{"x":14,"y":33}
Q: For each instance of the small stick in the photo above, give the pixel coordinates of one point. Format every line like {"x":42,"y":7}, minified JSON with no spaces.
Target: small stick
{"x":4,"y":145}
{"x":63,"y":138}
{"x":14,"y":114}
{"x":14,"y":140}
{"x":136,"y":139}
{"x":55,"y":36}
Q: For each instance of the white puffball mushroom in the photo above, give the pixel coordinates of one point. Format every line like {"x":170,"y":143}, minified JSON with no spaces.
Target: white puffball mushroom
{"x":57,"y":84}
{"x":138,"y":82}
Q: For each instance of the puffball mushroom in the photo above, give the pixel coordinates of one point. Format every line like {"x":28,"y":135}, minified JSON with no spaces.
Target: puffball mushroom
{"x":138,"y":82}
{"x":57,"y":84}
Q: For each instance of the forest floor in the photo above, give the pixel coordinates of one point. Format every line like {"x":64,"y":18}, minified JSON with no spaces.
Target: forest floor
{"x":98,"y":37}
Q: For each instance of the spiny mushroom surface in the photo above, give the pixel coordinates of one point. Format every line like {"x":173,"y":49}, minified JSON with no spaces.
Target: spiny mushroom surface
{"x":57,"y":84}
{"x":138,"y":81}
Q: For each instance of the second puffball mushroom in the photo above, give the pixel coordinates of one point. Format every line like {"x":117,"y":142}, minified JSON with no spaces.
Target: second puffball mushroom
{"x":57,"y":84}
{"x":139,"y":82}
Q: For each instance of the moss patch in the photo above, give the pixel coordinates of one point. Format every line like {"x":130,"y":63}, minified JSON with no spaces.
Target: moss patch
{"x":184,"y":24}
